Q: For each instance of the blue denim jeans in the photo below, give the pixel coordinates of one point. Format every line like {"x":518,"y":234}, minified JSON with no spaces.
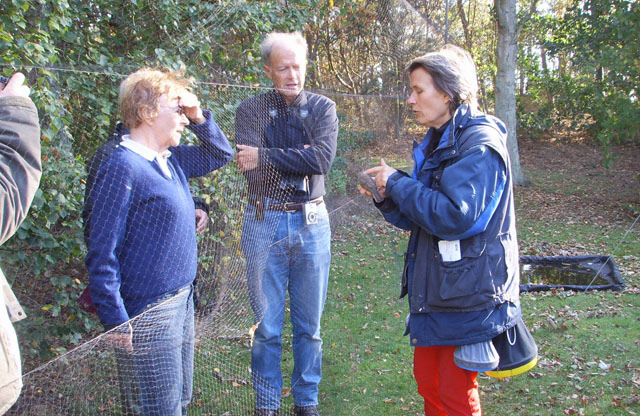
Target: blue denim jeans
{"x":284,"y":254}
{"x":163,"y":346}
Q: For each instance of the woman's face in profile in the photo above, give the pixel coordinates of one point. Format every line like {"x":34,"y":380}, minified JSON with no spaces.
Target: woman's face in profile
{"x":169,"y":123}
{"x":430,"y":106}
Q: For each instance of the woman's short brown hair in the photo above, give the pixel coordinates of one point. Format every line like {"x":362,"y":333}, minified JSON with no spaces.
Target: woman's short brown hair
{"x":453,"y":73}
{"x":140,"y":92}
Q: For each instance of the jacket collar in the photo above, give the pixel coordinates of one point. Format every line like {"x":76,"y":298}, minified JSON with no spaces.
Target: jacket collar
{"x":300,"y":101}
{"x":447,"y":147}
{"x":459,"y":119}
{"x":300,"y":105}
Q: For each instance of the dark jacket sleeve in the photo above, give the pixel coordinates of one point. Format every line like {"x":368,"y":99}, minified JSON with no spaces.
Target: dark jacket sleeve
{"x":462,"y":207}
{"x":322,"y":130}
{"x":20,"y":165}
{"x":390,"y":209}
{"x":249,"y":130}
{"x":200,"y":203}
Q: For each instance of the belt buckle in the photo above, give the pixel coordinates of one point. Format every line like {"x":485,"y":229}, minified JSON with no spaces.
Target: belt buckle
{"x":287,"y":206}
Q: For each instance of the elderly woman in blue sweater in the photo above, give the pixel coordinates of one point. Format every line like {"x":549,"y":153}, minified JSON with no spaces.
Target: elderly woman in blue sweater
{"x":142,"y":252}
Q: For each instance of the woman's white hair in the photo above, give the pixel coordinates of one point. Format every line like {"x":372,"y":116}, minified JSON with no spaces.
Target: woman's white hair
{"x":295,"y":38}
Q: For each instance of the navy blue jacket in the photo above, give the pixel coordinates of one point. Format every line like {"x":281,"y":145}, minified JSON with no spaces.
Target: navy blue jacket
{"x":281,"y":133}
{"x":461,"y":191}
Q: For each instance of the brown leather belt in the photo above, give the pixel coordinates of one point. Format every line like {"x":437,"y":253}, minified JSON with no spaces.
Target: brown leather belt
{"x":292,"y":206}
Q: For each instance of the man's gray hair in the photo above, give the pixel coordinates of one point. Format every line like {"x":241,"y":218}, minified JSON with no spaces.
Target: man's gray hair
{"x":291,"y":38}
{"x":453,"y":73}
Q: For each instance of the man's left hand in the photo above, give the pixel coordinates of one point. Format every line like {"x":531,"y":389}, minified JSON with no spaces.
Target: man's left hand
{"x":247,"y":157}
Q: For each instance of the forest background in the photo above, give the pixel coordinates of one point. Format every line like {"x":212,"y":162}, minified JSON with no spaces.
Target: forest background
{"x":575,"y":74}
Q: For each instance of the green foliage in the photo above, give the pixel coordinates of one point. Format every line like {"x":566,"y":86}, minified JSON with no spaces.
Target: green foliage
{"x":44,"y":259}
{"x":221,"y":189}
{"x":596,"y":83}
{"x":351,"y":141}
{"x":338,"y":178}
{"x":238,"y":35}
{"x":368,"y":362}
{"x":26,"y":31}
{"x":74,"y":58}
{"x":53,"y":228}
{"x":586,"y":354}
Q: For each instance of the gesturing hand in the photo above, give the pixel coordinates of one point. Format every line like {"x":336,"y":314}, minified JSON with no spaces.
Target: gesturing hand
{"x":15,"y":87}
{"x":380,"y":176}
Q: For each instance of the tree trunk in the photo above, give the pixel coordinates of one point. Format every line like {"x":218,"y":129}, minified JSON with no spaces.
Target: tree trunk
{"x":506,"y":56}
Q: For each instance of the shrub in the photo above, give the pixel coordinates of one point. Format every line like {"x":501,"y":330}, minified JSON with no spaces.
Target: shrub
{"x":44,"y":259}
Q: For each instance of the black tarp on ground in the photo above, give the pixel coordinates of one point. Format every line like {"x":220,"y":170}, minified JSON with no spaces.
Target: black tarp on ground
{"x":570,"y":273}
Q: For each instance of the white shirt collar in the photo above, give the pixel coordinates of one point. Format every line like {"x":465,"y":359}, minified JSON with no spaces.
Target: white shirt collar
{"x":148,"y":154}
{"x":139,"y":148}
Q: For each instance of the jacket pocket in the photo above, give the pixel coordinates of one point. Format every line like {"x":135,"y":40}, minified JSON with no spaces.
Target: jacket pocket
{"x":456,"y":284}
{"x":404,"y":285}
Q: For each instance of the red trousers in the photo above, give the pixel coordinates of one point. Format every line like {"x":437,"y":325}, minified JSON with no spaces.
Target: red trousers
{"x":447,"y":389}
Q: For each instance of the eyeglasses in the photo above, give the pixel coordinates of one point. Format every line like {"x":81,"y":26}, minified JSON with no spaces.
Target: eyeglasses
{"x":177,"y":109}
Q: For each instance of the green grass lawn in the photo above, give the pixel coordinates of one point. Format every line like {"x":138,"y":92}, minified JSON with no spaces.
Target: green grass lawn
{"x":367,"y":361}
{"x":588,"y":342}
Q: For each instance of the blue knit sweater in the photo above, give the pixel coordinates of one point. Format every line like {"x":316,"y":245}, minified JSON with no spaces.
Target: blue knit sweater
{"x":142,"y":240}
